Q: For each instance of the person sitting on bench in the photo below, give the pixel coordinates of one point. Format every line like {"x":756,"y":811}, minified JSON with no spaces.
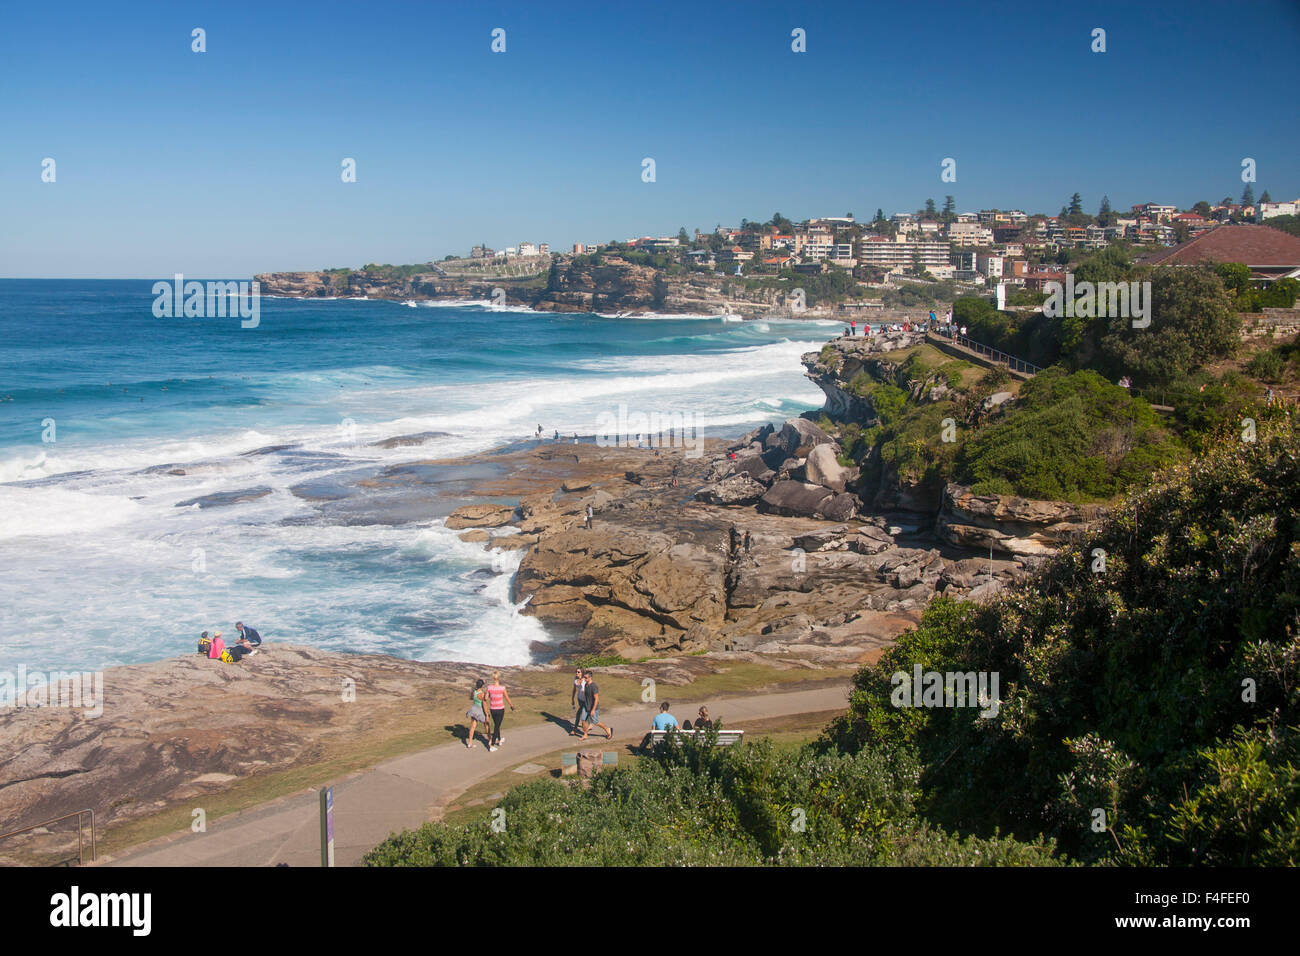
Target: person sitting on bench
{"x":664,"y":720}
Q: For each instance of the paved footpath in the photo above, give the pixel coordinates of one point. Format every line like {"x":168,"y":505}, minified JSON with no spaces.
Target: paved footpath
{"x":406,"y":792}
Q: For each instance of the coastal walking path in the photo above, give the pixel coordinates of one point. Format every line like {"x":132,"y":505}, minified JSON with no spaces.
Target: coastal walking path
{"x":408,"y":791}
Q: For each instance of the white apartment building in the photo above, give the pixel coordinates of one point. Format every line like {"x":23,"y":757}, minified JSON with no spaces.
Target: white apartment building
{"x":526,"y":249}
{"x":1267,"y":210}
{"x":902,"y":252}
{"x":969,"y":234}
{"x":989,"y":266}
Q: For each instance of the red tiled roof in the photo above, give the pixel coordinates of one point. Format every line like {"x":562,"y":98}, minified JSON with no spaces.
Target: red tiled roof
{"x":1253,"y":245}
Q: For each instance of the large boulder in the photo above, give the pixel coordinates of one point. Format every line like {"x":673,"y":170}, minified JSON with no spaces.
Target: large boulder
{"x":739,"y":489}
{"x":758,"y":435}
{"x":801,"y":499}
{"x":799,"y":433}
{"x":755,"y":468}
{"x":823,"y":468}
{"x":796,"y":498}
{"x":839,"y":507}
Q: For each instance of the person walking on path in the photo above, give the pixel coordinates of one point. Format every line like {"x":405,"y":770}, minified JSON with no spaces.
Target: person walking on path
{"x":593,"y":707}
{"x":498,"y":697}
{"x":746,"y":541}
{"x":476,"y":714}
{"x":578,"y":701}
{"x":587,"y":516}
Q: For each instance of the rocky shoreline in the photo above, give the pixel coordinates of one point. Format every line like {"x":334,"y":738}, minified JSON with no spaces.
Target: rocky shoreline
{"x":663,"y":580}
{"x":616,"y":287}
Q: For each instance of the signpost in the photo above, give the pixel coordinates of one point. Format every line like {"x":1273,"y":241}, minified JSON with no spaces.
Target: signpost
{"x":327,"y":826}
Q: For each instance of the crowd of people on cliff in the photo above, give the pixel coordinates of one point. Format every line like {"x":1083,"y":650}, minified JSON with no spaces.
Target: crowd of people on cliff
{"x":932,"y":324}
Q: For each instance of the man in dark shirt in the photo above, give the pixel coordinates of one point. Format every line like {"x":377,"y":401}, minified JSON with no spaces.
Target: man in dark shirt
{"x":592,"y":693}
{"x":249,"y":639}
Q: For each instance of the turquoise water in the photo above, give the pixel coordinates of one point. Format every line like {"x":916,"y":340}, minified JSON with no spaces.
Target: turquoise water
{"x":101,"y":566}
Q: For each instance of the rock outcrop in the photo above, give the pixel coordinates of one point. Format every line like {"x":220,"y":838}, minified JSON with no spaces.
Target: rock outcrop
{"x":1012,"y":525}
{"x":480,"y":516}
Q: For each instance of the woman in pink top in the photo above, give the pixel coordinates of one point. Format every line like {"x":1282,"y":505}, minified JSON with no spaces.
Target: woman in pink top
{"x":218,"y":645}
{"x":497,"y":697}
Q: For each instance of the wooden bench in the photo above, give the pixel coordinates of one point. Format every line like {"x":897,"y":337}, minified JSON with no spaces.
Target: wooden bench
{"x":725,"y":737}
{"x":569,"y":762}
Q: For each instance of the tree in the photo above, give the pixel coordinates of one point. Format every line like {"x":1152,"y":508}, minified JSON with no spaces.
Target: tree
{"x":880,"y":215}
{"x":949,"y":205}
{"x":683,"y":237}
{"x":1265,"y":197}
{"x":929,"y":208}
{"x":1076,"y":204}
{"x":1193,"y":320}
{"x":1202,"y":208}
{"x":1248,"y":196}
{"x":553,"y":277}
{"x":1104,"y":216}
{"x":1062,"y":214}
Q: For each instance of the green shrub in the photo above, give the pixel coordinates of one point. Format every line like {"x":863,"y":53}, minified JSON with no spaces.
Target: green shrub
{"x":694,"y":804}
{"x":1070,"y":437}
{"x":1119,"y":689}
{"x":1267,"y":365}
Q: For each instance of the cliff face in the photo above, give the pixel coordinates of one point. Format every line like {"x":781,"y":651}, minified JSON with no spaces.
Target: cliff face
{"x":614,"y":285}
{"x":833,"y":368}
{"x":1008,"y":524}
{"x":1019,"y":526}
{"x":373,"y":285}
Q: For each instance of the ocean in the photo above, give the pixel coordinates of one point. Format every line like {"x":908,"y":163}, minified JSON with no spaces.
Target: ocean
{"x":112,"y":420}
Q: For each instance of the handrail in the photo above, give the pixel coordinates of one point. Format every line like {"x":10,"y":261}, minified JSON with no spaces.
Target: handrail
{"x":1003,"y":358}
{"x":81,"y":851}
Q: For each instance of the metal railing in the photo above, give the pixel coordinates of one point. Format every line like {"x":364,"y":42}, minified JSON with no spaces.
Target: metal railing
{"x":1002,"y":358}
{"x":81,"y":843}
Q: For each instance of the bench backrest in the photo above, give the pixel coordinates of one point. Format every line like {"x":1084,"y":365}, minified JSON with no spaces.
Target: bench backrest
{"x":725,"y":737}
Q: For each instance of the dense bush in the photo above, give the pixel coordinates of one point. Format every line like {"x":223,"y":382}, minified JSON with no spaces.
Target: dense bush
{"x":695,"y":804}
{"x":1164,"y":689}
{"x":1070,"y":437}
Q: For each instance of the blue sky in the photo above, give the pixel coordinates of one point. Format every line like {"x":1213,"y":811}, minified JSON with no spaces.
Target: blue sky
{"x":227,"y":163}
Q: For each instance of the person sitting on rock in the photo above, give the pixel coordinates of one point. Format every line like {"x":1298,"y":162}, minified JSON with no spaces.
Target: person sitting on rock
{"x":249,"y":639}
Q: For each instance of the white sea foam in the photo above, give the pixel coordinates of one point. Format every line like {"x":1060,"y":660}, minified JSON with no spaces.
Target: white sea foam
{"x":102,"y":564}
